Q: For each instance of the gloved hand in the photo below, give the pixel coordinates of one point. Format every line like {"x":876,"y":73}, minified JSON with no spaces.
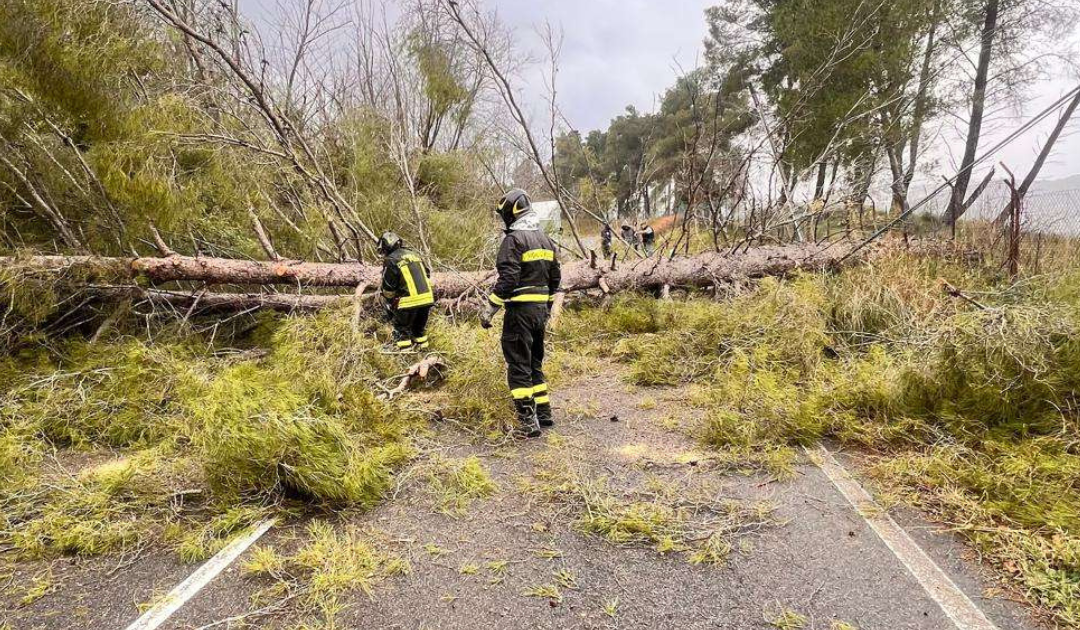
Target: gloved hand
{"x":389,"y":306}
{"x":487,"y":314}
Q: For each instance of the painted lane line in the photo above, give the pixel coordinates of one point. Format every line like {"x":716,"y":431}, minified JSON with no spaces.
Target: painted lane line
{"x":163,"y":609}
{"x":957,"y":606}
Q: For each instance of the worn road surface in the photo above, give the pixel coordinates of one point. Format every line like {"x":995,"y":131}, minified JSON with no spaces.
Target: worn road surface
{"x":816,"y":556}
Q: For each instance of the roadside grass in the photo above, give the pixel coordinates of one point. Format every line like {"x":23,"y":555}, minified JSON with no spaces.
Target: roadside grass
{"x":663,"y":517}
{"x":971,"y":412}
{"x":317,"y":578}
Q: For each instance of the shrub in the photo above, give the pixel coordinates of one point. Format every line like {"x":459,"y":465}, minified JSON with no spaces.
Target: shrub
{"x":781,"y":323}
{"x":256,"y":432}
{"x":1011,"y":366}
{"x":117,"y":396}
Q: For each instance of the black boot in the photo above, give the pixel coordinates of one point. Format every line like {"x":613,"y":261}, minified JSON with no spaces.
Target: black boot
{"x":526,"y":419}
{"x":543,"y":415}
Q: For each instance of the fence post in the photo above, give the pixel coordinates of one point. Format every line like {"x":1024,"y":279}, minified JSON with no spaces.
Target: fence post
{"x":1015,"y":203}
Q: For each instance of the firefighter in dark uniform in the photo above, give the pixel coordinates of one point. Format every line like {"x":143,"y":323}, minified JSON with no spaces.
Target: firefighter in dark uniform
{"x":406,"y":289}
{"x":529,"y":278}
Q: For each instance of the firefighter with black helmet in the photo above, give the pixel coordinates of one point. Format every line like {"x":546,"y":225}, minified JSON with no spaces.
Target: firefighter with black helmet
{"x":529,"y":278}
{"x":406,"y":291}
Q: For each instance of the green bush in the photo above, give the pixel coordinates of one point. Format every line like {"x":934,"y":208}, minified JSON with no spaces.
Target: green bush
{"x":1013,"y":366}
{"x":116,"y":396}
{"x":754,"y":403}
{"x":782,"y":324}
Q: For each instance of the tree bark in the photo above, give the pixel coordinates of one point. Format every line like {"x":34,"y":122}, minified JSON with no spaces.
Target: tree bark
{"x":958,"y":205}
{"x":703,"y":270}
{"x":204,"y":302}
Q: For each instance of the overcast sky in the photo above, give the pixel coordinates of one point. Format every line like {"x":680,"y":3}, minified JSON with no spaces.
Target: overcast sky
{"x":615,"y":52}
{"x":627,"y":52}
{"x":622,"y":52}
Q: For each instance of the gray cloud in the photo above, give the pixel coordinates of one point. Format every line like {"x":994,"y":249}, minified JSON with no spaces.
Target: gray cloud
{"x":615,"y":53}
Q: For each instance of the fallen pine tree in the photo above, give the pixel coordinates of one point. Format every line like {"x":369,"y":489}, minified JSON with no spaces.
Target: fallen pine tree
{"x":123,"y":278}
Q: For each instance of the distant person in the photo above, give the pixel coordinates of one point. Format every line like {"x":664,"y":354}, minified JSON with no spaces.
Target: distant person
{"x":606,"y":236}
{"x":648,"y":238}
{"x":406,"y":290}
{"x":629,"y":235}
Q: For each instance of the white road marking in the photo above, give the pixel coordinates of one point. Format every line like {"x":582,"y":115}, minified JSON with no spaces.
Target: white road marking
{"x":162,"y":610}
{"x":953,"y":602}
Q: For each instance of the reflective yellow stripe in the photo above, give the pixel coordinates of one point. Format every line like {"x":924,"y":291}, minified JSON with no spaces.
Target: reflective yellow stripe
{"x":421,"y":339}
{"x":540,"y":389}
{"x":521,"y":392}
{"x":534,"y":297}
{"x":413,"y":301}
{"x":496,"y":300}
{"x":543,"y":400}
{"x":407,"y":274}
{"x":404,"y":344}
{"x":534,"y":255}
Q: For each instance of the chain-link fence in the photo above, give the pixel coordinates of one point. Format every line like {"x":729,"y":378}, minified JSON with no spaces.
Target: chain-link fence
{"x":1048,"y":235}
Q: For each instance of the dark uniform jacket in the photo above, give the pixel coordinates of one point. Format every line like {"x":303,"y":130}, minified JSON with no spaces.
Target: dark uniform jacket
{"x":405,"y":279}
{"x":528,"y":269}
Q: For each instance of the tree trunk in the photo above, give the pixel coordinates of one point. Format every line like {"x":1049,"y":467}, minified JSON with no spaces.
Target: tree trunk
{"x":703,"y":270}
{"x":819,"y":185}
{"x":1043,"y":154}
{"x":958,"y":205}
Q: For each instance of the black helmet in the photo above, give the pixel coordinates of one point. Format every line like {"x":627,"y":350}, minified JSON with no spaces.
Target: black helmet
{"x":388,"y":242}
{"x":512,"y":205}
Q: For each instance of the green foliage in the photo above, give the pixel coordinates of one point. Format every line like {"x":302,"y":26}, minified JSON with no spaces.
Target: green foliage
{"x":1011,"y":366}
{"x":116,"y":396}
{"x":751,"y":405}
{"x":77,"y":57}
{"x":1016,"y":500}
{"x":782,"y":324}
{"x":203,"y":541}
{"x":298,"y":418}
{"x":107,"y":507}
{"x":475,"y":393}
{"x":787,"y":619}
{"x":103,"y":121}
{"x":640,"y":153}
{"x":256,"y":432}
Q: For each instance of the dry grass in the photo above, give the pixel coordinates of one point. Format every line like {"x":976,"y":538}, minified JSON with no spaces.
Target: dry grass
{"x":660,"y":516}
{"x":330,"y":565}
{"x":455,"y":484}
